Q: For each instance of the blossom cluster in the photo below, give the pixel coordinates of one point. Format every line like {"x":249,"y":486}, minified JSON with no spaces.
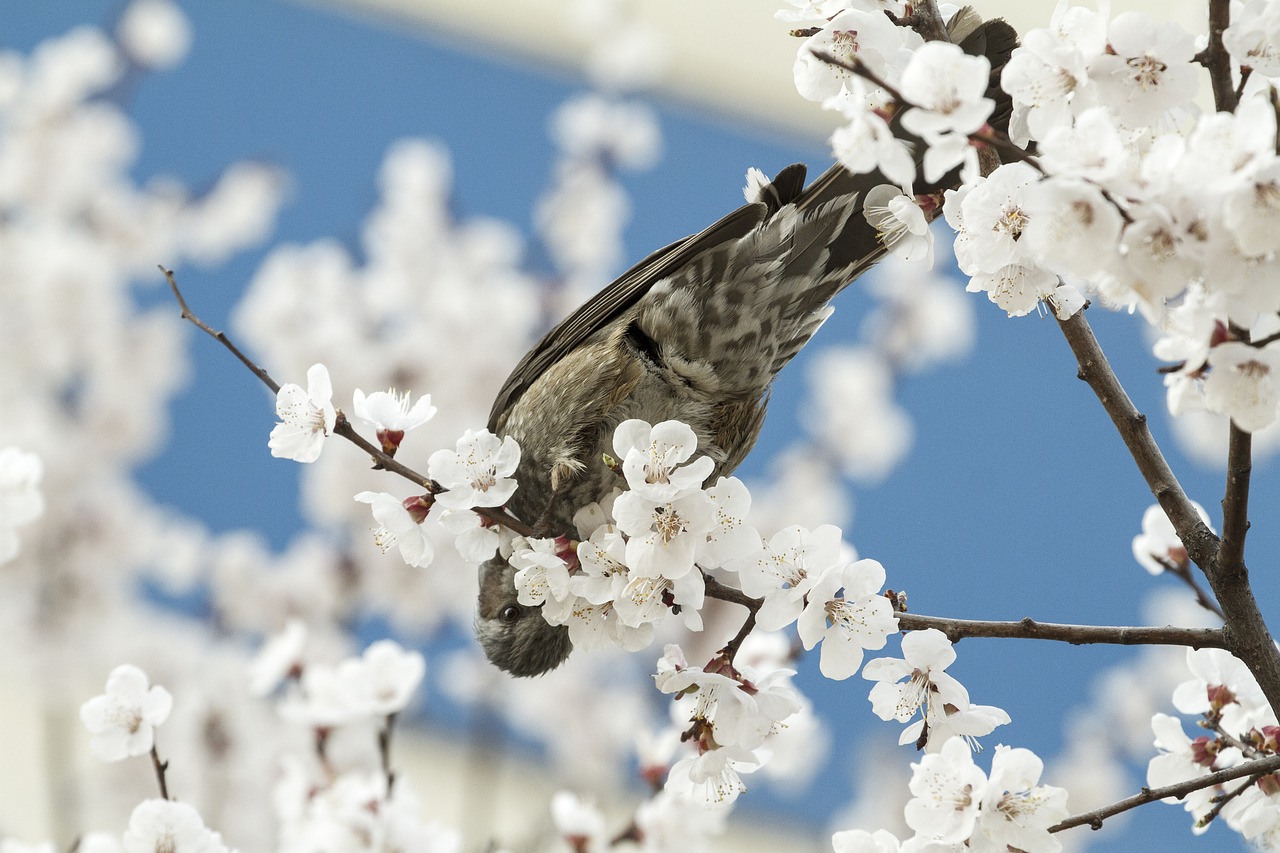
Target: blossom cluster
{"x":1238,"y":725}
{"x":1136,"y":194}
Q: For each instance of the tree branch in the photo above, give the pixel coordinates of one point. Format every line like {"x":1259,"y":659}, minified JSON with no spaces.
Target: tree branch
{"x":1235,"y":501}
{"x":1201,"y":543}
{"x":160,"y":768}
{"x":1076,"y":635}
{"x":220,"y":337}
{"x":1217,"y":60}
{"x":1246,"y":632}
{"x":1094,"y":819}
{"x":342,"y":426}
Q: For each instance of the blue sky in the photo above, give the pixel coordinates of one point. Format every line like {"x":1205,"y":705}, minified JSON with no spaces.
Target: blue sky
{"x":1018,"y":498}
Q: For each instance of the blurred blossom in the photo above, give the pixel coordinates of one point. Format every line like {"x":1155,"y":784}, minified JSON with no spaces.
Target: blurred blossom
{"x":854,"y":415}
{"x":168,"y":825}
{"x":122,"y":721}
{"x":154,"y":33}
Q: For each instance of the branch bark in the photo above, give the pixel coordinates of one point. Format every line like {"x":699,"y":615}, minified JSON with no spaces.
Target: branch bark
{"x":1247,"y":636}
{"x":1094,"y":819}
{"x":1217,"y":60}
{"x":1076,"y":635}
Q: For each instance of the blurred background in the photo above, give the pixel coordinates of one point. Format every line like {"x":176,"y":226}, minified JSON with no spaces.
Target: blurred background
{"x":412,"y":192}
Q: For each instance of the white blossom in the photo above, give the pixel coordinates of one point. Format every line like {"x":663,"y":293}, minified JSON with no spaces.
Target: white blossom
{"x":306,"y":417}
{"x":122,"y":721}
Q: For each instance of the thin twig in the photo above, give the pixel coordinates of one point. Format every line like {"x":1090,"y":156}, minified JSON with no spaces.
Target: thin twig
{"x":160,"y":767}
{"x":1182,"y":571}
{"x":220,"y":337}
{"x":384,"y":751}
{"x":342,"y":426}
{"x":715,"y":589}
{"x":1076,"y":635}
{"x":1223,"y":800}
{"x":1094,"y":819}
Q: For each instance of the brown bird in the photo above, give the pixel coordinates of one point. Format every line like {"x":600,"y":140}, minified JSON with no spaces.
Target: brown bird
{"x":695,"y":332}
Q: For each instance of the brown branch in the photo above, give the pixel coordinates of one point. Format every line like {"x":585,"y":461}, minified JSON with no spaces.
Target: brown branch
{"x":1246,"y":632}
{"x":1094,"y":819}
{"x":220,"y":337}
{"x":1216,"y":58}
{"x":1182,"y":571}
{"x":716,"y":589}
{"x":1201,"y":543}
{"x":342,"y":426}
{"x":160,"y":768}
{"x":926,"y":19}
{"x":1235,"y":501}
{"x":1076,"y":635}
{"x":384,"y":751}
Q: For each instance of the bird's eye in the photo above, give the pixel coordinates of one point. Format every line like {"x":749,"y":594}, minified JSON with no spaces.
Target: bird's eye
{"x":509,"y":614}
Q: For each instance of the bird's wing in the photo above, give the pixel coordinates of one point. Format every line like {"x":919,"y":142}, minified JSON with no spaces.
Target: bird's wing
{"x":628,"y":288}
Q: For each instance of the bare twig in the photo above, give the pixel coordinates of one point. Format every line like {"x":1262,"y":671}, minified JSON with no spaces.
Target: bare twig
{"x":160,"y":768}
{"x":1029,"y":629}
{"x":1094,"y":819}
{"x":384,"y":751}
{"x":342,"y":426}
{"x":220,"y":337}
{"x":1182,"y":571}
{"x":1217,"y":59}
{"x":926,"y":19}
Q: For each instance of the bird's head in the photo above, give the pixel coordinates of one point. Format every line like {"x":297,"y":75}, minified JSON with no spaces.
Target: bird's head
{"x":514,"y":636}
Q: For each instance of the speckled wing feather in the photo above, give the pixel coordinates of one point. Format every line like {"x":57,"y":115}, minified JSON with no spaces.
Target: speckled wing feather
{"x":613,"y":300}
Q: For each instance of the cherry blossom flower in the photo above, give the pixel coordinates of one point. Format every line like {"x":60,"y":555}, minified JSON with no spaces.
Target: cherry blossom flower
{"x":730,"y":536}
{"x":306,"y":417}
{"x":279,"y":658}
{"x":160,"y":826}
{"x":1147,"y":69}
{"x":578,"y":821}
{"x":663,"y":537}
{"x":928,"y":688}
{"x":1070,"y":225}
{"x":542,"y":576}
{"x":392,"y":673}
{"x":478,"y":472}
{"x":853,"y":36}
{"x":900,"y":224}
{"x":122,"y":721}
{"x":859,"y":619}
{"x":945,"y":87}
{"x":1222,"y":685}
{"x":946,"y":791}
{"x":867,"y":143}
{"x":787,"y":568}
{"x":400,"y":525}
{"x":389,"y":413}
{"x":476,"y":541}
{"x":1016,"y":813}
{"x":653,"y":459}
{"x":1244,"y":384}
{"x":1180,"y":759}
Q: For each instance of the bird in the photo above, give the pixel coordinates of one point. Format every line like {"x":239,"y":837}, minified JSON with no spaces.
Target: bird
{"x":694,"y":332}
